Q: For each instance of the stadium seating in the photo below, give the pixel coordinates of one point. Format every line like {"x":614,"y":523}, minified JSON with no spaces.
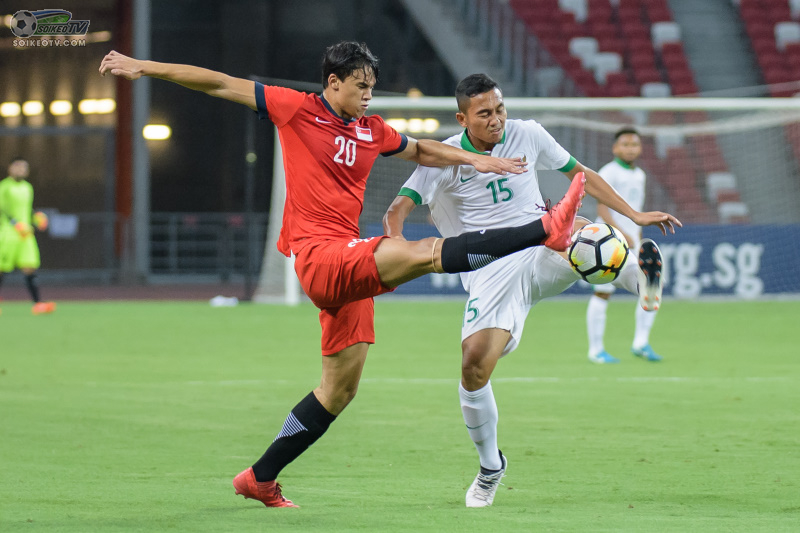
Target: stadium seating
{"x":733,"y":213}
{"x":786,"y":32}
{"x":665,"y":32}
{"x":578,"y":8}
{"x":719,"y":185}
{"x":640,"y":32}
{"x":656,"y":90}
{"x":624,"y":48}
{"x":605,"y":63}
{"x":584,"y":48}
{"x":794,"y":9}
{"x":774,"y":33}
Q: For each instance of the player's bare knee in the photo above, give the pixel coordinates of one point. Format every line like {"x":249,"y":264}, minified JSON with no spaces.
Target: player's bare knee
{"x":345,"y":392}
{"x":474,"y":378}
{"x":401,"y":261}
{"x":350,"y":393}
{"x":473,"y":374}
{"x":336,"y":400}
{"x":603,"y":295}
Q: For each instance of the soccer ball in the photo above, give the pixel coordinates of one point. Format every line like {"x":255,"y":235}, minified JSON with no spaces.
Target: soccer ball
{"x":23,"y":24}
{"x":597,"y":253}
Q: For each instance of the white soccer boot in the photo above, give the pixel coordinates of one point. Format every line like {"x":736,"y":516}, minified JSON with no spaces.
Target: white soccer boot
{"x":651,"y":282}
{"x":481,"y":492}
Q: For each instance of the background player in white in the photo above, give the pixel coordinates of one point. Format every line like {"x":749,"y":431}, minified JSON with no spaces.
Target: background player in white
{"x":629,"y":181}
{"x":502,"y":294}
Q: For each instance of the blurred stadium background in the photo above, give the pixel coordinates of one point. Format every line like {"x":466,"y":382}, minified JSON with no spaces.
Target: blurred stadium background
{"x":191,"y":212}
{"x":139,"y":413}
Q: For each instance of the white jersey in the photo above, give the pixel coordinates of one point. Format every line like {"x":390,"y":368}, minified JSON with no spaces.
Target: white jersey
{"x":629,"y":182}
{"x":461,"y":199}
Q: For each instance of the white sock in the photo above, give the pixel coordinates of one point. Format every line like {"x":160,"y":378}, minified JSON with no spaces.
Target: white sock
{"x":628,"y":279}
{"x":480,"y":416}
{"x":644,"y":323}
{"x":596,"y":324}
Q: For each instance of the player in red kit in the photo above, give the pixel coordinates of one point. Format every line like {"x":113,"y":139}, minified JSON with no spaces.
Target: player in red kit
{"x":329,"y":147}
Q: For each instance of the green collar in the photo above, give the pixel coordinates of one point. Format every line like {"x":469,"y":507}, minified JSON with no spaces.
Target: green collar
{"x":623,"y":164}
{"x":467,"y":145}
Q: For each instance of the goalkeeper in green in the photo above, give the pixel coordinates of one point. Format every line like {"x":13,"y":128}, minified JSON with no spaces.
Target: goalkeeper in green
{"x":18,"y":248}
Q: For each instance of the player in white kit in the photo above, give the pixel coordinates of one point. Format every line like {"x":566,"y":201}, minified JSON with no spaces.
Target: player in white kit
{"x":502,"y":293}
{"x":629,"y":181}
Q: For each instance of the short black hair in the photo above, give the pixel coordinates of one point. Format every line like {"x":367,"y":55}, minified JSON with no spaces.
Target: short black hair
{"x":346,"y":57}
{"x":473,"y":85}
{"x":626,"y":131}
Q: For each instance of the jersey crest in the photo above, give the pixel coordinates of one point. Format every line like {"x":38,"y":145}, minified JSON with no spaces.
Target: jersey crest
{"x":364,"y":134}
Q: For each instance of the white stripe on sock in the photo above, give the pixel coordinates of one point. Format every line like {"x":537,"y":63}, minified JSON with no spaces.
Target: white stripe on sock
{"x":477,"y":261}
{"x":291,"y":426}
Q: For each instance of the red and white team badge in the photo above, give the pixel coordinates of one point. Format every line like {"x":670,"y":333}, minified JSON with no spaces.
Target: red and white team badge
{"x":364,"y":134}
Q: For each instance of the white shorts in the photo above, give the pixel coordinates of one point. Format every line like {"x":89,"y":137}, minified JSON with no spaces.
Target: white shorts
{"x":502,"y":293}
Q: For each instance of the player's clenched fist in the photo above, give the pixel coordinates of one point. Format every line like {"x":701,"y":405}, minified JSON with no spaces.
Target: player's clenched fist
{"x":121,"y":65}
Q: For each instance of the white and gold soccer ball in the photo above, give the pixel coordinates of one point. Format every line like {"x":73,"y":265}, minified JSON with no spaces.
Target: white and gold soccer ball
{"x":597,"y":253}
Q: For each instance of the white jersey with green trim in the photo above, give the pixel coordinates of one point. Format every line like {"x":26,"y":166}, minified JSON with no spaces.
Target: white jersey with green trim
{"x":629,"y":182}
{"x":461,"y":199}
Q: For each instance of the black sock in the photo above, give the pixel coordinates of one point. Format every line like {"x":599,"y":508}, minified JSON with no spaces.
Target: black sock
{"x":30,"y":281}
{"x":304,"y":425}
{"x":1,"y":279}
{"x":476,"y":249}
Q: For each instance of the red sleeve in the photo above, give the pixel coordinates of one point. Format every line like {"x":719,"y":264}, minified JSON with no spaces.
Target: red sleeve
{"x":393,"y":142}
{"x":278,"y":104}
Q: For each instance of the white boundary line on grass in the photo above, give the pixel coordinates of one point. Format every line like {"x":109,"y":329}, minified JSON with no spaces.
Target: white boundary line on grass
{"x":452,"y":382}
{"x":543,"y":379}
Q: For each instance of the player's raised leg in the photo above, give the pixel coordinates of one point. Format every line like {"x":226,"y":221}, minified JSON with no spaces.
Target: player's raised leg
{"x":559,"y":222}
{"x":651,"y":283}
{"x":642,"y":276}
{"x":400,"y":261}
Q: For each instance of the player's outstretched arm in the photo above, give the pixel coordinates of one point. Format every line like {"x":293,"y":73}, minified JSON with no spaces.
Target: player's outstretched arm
{"x":210,"y":82}
{"x":604,"y":193}
{"x":664,"y":221}
{"x":605,"y":213}
{"x":432,"y":153}
{"x":396,"y":215}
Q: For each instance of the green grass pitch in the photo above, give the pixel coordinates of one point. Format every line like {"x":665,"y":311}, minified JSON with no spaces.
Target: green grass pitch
{"x":136,"y":416}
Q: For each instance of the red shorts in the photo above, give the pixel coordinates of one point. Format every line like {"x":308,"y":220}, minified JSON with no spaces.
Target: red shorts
{"x":341,"y":277}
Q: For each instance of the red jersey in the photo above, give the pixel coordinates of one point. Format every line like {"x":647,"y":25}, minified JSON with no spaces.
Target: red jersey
{"x":327,"y":160}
